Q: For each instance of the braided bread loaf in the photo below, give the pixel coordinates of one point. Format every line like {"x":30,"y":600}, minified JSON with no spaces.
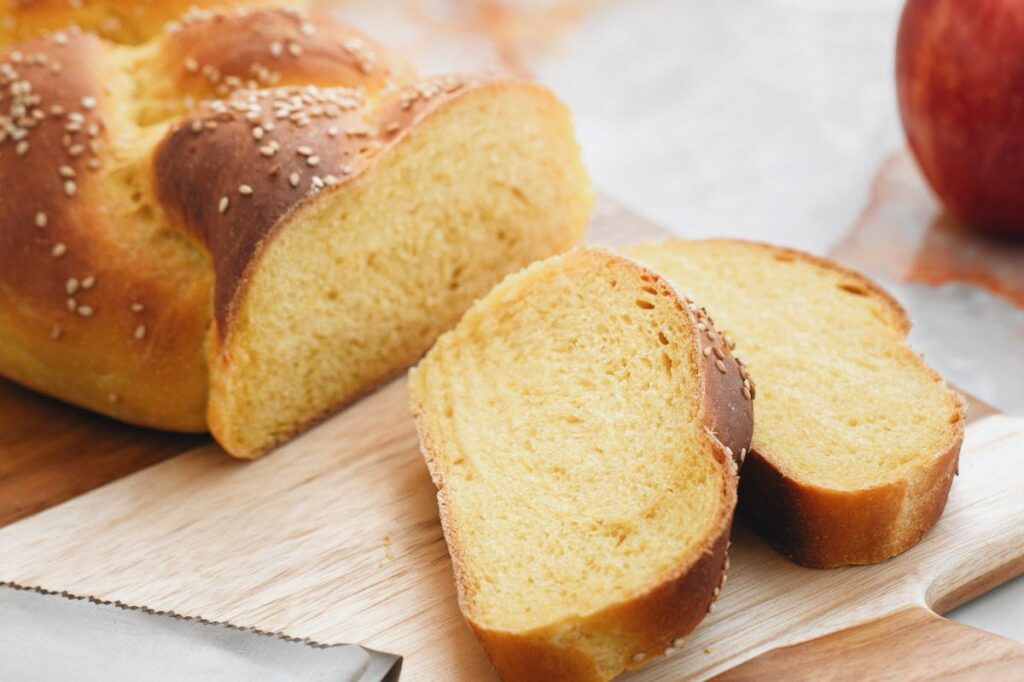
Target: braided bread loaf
{"x":250,"y":220}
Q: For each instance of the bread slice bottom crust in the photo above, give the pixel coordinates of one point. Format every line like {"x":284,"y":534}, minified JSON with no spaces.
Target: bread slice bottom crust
{"x":858,"y":439}
{"x":564,"y":568}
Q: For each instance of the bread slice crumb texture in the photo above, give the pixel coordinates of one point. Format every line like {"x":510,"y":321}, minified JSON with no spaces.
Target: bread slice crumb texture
{"x":842,"y":401}
{"x":364,"y":279}
{"x":562,"y":425}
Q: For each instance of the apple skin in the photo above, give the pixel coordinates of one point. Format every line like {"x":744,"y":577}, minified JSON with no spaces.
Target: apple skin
{"x":960,"y":84}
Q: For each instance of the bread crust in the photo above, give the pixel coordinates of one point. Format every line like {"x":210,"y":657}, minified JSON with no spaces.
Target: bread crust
{"x":116,"y":20}
{"x":821,"y":527}
{"x":652,"y":622}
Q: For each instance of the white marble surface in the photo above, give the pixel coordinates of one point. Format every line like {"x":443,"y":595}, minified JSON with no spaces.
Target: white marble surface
{"x":764,"y":119}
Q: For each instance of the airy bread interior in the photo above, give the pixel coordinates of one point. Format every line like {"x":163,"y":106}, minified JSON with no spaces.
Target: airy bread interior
{"x":562,"y":423}
{"x":842,"y":401}
{"x":360,"y":282}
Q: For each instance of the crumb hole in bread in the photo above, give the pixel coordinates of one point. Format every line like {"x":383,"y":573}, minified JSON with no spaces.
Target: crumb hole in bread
{"x":643,"y":304}
{"x":662,"y":338}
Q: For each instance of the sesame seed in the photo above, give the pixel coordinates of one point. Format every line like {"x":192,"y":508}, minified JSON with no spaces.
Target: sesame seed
{"x":293,"y":179}
{"x":191,"y":65}
{"x":59,"y":249}
{"x":56,"y":332}
{"x":70,"y":188}
{"x":72,"y":304}
{"x":197,"y":126}
{"x":639,"y":656}
{"x":294,"y":49}
{"x":85,"y":310}
{"x":223,"y":206}
{"x":679,"y":643}
{"x":140,"y":332}
{"x":719,"y":353}
{"x":93,"y":164}
{"x":66,"y":171}
{"x":245,"y":190}
{"x":707,"y":351}
{"x":21,"y":148}
{"x":71,"y":286}
{"x":746,"y":393}
{"x":718,"y":591}
{"x":76,"y":150}
{"x":88,"y":282}
{"x":210,"y":125}
{"x":257,"y":133}
{"x":138,"y":307}
{"x":711,"y":607}
{"x":88,"y":103}
{"x":276,"y":49}
{"x":41,"y":219}
{"x":721,"y":366}
{"x":304,"y":151}
{"x":268,"y":150}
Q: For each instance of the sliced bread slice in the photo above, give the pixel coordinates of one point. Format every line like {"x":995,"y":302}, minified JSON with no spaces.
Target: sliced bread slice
{"x":857,"y":439}
{"x":580,"y":439}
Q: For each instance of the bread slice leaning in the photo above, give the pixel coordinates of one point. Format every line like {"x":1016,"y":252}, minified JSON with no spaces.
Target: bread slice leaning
{"x":581,"y":440}
{"x":857,"y":439}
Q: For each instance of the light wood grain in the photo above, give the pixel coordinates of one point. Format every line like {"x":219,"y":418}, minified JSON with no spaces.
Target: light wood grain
{"x":909,"y":645}
{"x":335,"y":537}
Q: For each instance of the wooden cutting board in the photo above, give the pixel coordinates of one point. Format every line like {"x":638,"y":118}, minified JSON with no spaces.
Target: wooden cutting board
{"x":335,"y":537}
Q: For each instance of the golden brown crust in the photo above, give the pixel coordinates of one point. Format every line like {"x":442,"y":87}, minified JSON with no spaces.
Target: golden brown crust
{"x":117,"y":321}
{"x":653,"y":622}
{"x":215,"y":53}
{"x":253,"y":184}
{"x":824,"y":528}
{"x":123,"y":22}
{"x":81,"y":321}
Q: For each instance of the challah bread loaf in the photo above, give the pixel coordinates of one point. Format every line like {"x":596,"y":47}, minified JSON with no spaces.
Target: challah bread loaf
{"x":581,"y":440}
{"x":121,"y":21}
{"x":857,"y":440}
{"x":149,"y":260}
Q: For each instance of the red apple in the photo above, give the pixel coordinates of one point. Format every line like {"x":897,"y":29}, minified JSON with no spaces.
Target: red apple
{"x":960,"y":82}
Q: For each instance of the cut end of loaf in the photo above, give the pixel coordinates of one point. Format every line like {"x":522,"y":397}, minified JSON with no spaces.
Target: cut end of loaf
{"x":564,"y":423}
{"x":358,"y":282}
{"x":856,"y":438}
